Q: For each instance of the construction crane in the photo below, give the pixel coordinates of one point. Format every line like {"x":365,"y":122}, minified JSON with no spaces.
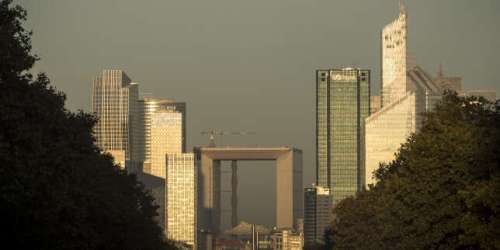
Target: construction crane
{"x":213,"y":132}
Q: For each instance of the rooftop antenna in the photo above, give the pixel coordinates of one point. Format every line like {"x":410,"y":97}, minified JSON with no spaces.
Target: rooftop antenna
{"x":402,"y":9}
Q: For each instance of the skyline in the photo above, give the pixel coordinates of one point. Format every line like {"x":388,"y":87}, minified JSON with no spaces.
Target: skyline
{"x":294,"y":101}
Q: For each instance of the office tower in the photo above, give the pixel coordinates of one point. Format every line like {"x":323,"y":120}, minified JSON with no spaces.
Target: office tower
{"x":342,"y":103}
{"x":158,"y":130}
{"x":141,"y":148}
{"x":113,"y":102}
{"x":317,"y":213}
{"x":166,"y":138}
{"x":407,"y":91}
{"x":181,"y":198}
{"x":394,"y":59}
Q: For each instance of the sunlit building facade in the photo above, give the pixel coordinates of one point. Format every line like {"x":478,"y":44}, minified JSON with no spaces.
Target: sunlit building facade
{"x":317,"y":213}
{"x":407,"y":92}
{"x":287,"y":239}
{"x":158,"y":130}
{"x":142,"y":137}
{"x":181,"y":198}
{"x":394,"y":59}
{"x":114,"y":98}
{"x":166,"y":138}
{"x":342,"y":104}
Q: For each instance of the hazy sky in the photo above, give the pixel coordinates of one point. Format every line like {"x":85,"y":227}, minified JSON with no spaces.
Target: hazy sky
{"x":249,"y":65}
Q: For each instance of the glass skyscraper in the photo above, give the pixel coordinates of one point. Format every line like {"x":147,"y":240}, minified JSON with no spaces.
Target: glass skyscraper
{"x":342,"y":104}
{"x":142,"y":137}
{"x":114,"y":98}
{"x":181,"y":198}
{"x":158,"y":130}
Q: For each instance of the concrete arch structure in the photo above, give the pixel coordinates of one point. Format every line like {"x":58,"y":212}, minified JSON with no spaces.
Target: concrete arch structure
{"x":289,"y":198}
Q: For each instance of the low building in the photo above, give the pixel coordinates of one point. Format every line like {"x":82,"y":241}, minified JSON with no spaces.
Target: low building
{"x":287,"y":239}
{"x":317,"y":213}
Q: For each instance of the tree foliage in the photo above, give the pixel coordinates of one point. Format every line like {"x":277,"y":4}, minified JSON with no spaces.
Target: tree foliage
{"x":440,"y":192}
{"x":57,"y":190}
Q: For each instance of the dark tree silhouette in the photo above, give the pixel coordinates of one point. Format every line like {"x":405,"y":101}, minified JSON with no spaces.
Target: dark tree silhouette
{"x":57,"y":190}
{"x":441,"y":191}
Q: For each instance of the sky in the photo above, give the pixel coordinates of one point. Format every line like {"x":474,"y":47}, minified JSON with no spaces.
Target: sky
{"x":249,"y":65}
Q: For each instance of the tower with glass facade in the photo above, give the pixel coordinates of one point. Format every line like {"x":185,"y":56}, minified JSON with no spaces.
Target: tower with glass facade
{"x":114,"y":98}
{"x":158,"y":130}
{"x":142,"y":136}
{"x":342,"y":104}
{"x":181,"y":198}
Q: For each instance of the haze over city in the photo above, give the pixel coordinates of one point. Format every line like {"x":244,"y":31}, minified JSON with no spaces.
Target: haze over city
{"x":250,"y":125}
{"x":238,"y":64}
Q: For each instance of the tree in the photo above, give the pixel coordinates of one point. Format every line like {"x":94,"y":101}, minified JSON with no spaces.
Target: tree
{"x":441,"y":191}
{"x":57,"y":190}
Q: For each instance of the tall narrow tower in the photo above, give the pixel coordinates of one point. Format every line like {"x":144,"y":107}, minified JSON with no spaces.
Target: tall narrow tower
{"x":394,"y":59}
{"x":407,"y":92}
{"x":113,"y":102}
{"x":342,"y":104}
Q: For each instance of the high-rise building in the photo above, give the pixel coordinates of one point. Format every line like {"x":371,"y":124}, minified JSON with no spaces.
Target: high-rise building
{"x":407,"y":92}
{"x":342,"y":104}
{"x":166,"y":138}
{"x":158,"y":130}
{"x":394,"y":59}
{"x":181,"y":198}
{"x":142,"y":138}
{"x":317,"y":213}
{"x":113,"y":101}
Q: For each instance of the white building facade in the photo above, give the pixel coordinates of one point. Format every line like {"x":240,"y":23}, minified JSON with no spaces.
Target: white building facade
{"x":407,"y":92}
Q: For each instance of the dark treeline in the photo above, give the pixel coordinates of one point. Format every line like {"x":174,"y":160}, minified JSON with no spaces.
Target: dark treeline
{"x":440,"y":192}
{"x":57,"y":191}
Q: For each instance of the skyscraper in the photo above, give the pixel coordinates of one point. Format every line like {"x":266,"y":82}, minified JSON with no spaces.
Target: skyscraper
{"x":317,"y":213}
{"x":113,"y":102}
{"x":394,"y":59}
{"x":166,"y":138}
{"x":342,"y":103}
{"x":181,"y":198}
{"x":142,"y":137}
{"x":158,"y":130}
{"x":407,"y":91}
